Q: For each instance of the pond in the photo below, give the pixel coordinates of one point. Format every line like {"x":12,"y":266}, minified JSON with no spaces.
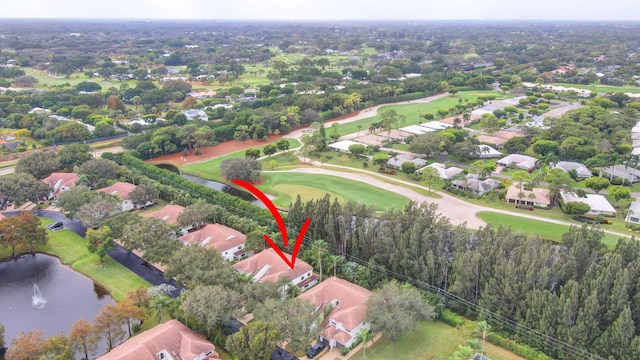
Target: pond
{"x":67,"y":295}
{"x":215,"y":185}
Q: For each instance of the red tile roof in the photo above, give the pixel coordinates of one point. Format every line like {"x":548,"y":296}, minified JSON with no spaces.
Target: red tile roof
{"x":216,"y":236}
{"x":58,"y":180}
{"x":348,"y":299}
{"x":168,"y":213}
{"x":122,"y":189}
{"x":171,"y":336}
{"x":276,"y":266}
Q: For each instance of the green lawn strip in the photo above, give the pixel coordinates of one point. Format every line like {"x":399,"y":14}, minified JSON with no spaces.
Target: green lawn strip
{"x":72,"y":250}
{"x":115,"y":277}
{"x":602,"y":88}
{"x":545,"y":230}
{"x":210,"y":169}
{"x":314,"y":186}
{"x":433,"y":340}
{"x":388,"y":178}
{"x":412,"y":112}
{"x":74,"y":79}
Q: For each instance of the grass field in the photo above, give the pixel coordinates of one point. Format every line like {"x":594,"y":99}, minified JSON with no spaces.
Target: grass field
{"x":412,"y":112}
{"x":430,"y":340}
{"x":73,"y":80}
{"x":210,"y":169}
{"x":547,"y":231}
{"x":286,"y":186}
{"x":72,"y":250}
{"x":602,"y":88}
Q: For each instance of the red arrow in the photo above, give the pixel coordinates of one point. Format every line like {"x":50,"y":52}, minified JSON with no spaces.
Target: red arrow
{"x":283,"y":230}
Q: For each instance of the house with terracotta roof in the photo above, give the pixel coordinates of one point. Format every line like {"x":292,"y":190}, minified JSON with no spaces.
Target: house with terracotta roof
{"x":170,"y":213}
{"x":534,"y":197}
{"x":167,"y":341}
{"x":269,"y":266}
{"x":121,"y":190}
{"x":348,"y":304}
{"x":60,"y":182}
{"x":225,"y":240}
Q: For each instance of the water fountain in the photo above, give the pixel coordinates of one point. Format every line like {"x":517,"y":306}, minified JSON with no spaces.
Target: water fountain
{"x":37,"y":301}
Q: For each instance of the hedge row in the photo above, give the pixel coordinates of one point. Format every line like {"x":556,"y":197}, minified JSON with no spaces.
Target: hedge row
{"x":523,"y":350}
{"x":229,"y":202}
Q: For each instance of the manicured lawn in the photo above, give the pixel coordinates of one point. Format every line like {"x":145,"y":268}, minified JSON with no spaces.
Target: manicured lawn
{"x":602,"y":88}
{"x":412,"y":112}
{"x":211,"y":169}
{"x":286,"y":186}
{"x":72,"y":250}
{"x":545,"y":230}
{"x":430,"y":340}
{"x":73,"y":80}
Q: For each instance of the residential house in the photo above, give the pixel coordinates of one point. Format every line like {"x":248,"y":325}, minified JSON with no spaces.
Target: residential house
{"x":581,"y":170}
{"x":227,"y":241}
{"x":60,"y":182}
{"x":598,"y":203}
{"x":633,"y":216}
{"x":487,"y":152}
{"x":167,"y":341}
{"x":417,"y":129}
{"x":443,"y":171}
{"x":473,"y":184}
{"x":343,"y":146}
{"x":122,"y":190}
{"x":627,"y":173}
{"x":396,"y":162}
{"x":348,"y":306}
{"x":535,"y":197}
{"x":524,"y":162}
{"x":193,"y":114}
{"x":170,"y":214}
{"x":267,"y":265}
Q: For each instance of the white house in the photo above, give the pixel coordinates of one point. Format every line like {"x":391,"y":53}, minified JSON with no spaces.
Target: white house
{"x":628,"y":173}
{"x":476,"y":186}
{"x":193,"y":114}
{"x":60,"y":182}
{"x":343,"y":146}
{"x":228,"y":242}
{"x":582,"y":171}
{"x":396,"y":162}
{"x":348,"y":306}
{"x":443,"y":171}
{"x":633,"y":216}
{"x":598,"y":203}
{"x":417,"y":129}
{"x":486,"y":152}
{"x":524,"y":162}
{"x":267,"y":265}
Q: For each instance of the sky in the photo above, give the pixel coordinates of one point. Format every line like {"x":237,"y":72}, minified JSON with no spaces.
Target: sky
{"x":325,"y":9}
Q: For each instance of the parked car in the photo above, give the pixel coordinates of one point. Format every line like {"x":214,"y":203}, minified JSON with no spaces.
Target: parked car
{"x":281,"y":354}
{"x":315,"y":350}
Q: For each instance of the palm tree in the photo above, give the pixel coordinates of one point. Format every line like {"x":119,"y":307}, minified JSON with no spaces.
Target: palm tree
{"x":464,"y":352}
{"x":483,"y":329}
{"x":476,"y":346}
{"x":365,"y":335}
{"x":335,"y":259}
{"x":318,"y":250}
{"x":359,"y":128}
{"x":532,"y":196}
{"x":292,"y":291}
{"x":158,"y":304}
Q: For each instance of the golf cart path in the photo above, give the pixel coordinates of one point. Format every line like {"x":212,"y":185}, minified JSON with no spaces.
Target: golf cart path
{"x":457,"y":210}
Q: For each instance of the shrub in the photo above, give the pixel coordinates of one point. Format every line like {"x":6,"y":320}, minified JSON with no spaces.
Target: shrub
{"x":450,"y":318}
